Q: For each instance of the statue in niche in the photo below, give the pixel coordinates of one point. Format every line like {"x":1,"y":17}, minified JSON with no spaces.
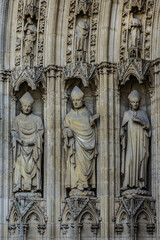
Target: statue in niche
{"x":27,"y":142}
{"x":135,"y":133}
{"x":82,"y":33}
{"x":29,"y":39}
{"x":80,"y":145}
{"x":135,"y":33}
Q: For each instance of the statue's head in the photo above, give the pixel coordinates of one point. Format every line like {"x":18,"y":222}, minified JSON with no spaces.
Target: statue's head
{"x":77,"y":97}
{"x":26,"y":103}
{"x":29,"y":20}
{"x":134,"y":99}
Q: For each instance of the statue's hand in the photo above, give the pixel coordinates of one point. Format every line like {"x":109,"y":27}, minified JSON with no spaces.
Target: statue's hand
{"x":146,"y":127}
{"x":19,"y":141}
{"x":137,"y":120}
{"x":28,"y":144}
{"x":122,"y":133}
{"x":96,"y":116}
{"x":69,"y":133}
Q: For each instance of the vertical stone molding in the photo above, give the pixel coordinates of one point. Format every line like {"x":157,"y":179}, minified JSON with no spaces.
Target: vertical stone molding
{"x":109,"y":149}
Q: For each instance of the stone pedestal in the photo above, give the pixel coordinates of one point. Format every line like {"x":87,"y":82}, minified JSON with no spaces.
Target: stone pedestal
{"x":135,"y":215}
{"x":80,"y":218}
{"x":27,"y":216}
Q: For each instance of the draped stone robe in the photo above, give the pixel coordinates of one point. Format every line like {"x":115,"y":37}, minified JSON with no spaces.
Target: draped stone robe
{"x":81,"y":149}
{"x":27,"y":157}
{"x":135,"y":150}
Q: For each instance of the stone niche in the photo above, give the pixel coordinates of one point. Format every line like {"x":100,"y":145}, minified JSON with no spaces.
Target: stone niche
{"x":135,"y":207}
{"x":80,"y":217}
{"x":145,"y":105}
{"x":27,"y":215}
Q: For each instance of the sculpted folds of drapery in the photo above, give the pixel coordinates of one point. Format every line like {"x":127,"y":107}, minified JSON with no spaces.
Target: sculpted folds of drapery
{"x":80,"y":146}
{"x":27,"y":141}
{"x":135,"y":134}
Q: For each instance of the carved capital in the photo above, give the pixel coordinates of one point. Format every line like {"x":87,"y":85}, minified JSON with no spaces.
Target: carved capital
{"x":150,"y":228}
{"x":41,"y":228}
{"x":25,"y":227}
{"x":119,"y":228}
{"x":5,"y":76}
{"x":64,"y":228}
{"x":107,"y":68}
{"x":53,"y":71}
{"x":12,"y":229}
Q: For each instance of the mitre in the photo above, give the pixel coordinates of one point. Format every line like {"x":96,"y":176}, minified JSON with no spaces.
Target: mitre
{"x":26,"y":99}
{"x":77,"y":93}
{"x":134,"y":94}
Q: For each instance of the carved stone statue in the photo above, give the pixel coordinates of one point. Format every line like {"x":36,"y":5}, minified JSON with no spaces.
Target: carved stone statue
{"x":27,"y":133}
{"x":135,"y":133}
{"x":80,"y":144}
{"x":135,"y":25}
{"x":82,"y":32}
{"x":29,"y":39}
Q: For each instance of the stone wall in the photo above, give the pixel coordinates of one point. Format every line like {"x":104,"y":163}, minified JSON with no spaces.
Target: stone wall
{"x":106,"y":48}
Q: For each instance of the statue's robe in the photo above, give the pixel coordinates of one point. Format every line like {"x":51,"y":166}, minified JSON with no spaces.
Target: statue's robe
{"x":27,"y":157}
{"x":134,"y":161}
{"x":81,"y":149}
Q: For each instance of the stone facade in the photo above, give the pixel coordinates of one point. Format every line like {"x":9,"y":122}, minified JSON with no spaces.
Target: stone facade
{"x":82,"y":161}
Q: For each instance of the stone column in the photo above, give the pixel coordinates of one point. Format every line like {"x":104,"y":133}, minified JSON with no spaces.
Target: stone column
{"x":4,"y":152}
{"x":4,"y":134}
{"x":106,"y":178}
{"x":54,"y":138}
{"x":155,"y":150}
{"x":3,"y":15}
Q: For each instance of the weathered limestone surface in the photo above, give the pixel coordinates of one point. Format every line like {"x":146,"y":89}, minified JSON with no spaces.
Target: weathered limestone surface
{"x":107,"y":49}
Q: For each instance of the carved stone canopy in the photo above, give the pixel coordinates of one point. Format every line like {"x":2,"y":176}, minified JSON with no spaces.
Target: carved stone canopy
{"x":137,"y":5}
{"x":83,"y":71}
{"x":137,"y":67}
{"x":31,"y":9}
{"x":84,"y":6}
{"x":33,"y":77}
